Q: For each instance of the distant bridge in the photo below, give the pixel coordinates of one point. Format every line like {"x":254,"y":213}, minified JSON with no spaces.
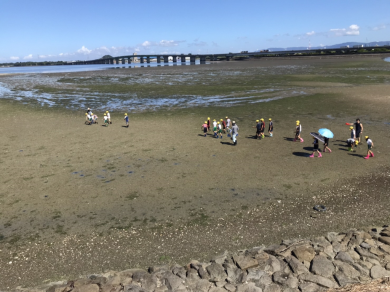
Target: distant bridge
{"x":147,"y":58}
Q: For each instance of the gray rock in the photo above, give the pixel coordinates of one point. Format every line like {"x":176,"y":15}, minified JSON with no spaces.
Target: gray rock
{"x":291,"y":290}
{"x":387,"y":266}
{"x":344,"y":257}
{"x":347,"y":269}
{"x":179,"y":271}
{"x":366,"y":265}
{"x":355,"y":240}
{"x":173,"y":282}
{"x":198,"y":286}
{"x":360,"y":269}
{"x":285,"y":280}
{"x":385,"y":232}
{"x":192,"y":274}
{"x":272,"y":288}
{"x":203,"y":273}
{"x":160,"y":268}
{"x":309,"y":287}
{"x":337,"y":247}
{"x":216,"y":272}
{"x":296,"y":266}
{"x":273,"y":265}
{"x":322,"y":266}
{"x":304,"y":253}
{"x":230,"y":287}
{"x":377,"y":252}
{"x":366,"y":253}
{"x":133,"y":288}
{"x":332,"y":237}
{"x":159,"y":289}
{"x":343,"y":280}
{"x":373,"y":261}
{"x":262,"y":258}
{"x":265,"y":281}
{"x":354,"y":255}
{"x":254,"y":275}
{"x":322,"y":281}
{"x":275,"y":249}
{"x":384,"y":239}
{"x":385,"y":248}
{"x":245,"y":262}
{"x":365,"y":245}
{"x":248,"y":288}
{"x":217,"y":289}
{"x":377,"y":272}
{"x":234,"y":274}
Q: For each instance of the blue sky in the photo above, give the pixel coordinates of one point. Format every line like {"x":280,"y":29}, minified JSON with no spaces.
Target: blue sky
{"x":86,"y":29}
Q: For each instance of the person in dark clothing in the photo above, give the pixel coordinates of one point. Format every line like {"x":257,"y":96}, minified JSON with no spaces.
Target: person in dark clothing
{"x":326,"y":144}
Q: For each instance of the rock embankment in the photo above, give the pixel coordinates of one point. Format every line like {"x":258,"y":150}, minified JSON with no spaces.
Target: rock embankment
{"x":331,"y":261}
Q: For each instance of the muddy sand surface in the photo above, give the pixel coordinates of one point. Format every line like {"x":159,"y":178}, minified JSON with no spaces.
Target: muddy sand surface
{"x":79,"y":199}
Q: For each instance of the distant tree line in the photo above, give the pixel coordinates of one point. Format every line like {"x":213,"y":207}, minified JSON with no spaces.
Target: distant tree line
{"x":44,"y":63}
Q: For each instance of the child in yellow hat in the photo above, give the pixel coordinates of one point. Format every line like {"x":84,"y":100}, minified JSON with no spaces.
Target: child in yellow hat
{"x":262,"y":129}
{"x":370,"y":144}
{"x":270,"y":127}
{"x":126,"y":118}
{"x":298,"y":130}
{"x":105,"y":120}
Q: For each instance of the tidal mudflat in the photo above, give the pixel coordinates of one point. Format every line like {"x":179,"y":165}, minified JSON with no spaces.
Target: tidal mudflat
{"x":157,"y":192}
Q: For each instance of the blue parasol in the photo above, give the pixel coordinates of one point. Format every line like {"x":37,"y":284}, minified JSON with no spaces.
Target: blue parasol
{"x":326,"y":133}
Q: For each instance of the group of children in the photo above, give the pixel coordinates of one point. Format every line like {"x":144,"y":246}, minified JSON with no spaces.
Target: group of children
{"x":218,"y":127}
{"x":92,"y":118}
{"x":260,"y":128}
{"x":354,"y":140}
{"x":224,"y":126}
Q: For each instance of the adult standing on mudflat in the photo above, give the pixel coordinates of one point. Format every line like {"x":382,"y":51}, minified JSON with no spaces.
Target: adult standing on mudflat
{"x":235,"y":129}
{"x":359,"y":129}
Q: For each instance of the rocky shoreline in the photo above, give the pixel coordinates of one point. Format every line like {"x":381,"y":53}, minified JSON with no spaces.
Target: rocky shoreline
{"x":331,"y":261}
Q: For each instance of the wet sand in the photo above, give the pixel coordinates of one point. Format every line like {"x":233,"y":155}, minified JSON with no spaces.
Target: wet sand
{"x":80,"y":199}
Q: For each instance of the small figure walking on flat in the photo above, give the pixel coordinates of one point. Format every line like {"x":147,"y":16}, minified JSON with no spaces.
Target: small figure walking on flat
{"x":219,"y":126}
{"x":315,"y":148}
{"x":262,"y":129}
{"x":126,"y":118}
{"x":298,"y":130}
{"x":105,"y":120}
{"x":223,"y":126}
{"x":258,"y":129}
{"x":271,"y":127}
{"x":326,"y":144}
{"x":208,"y":124}
{"x":108,"y":117}
{"x":205,"y":128}
{"x":370,"y":144}
{"x":235,"y":129}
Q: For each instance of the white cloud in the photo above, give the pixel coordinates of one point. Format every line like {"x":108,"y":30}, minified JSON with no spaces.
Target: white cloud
{"x":353,"y":30}
{"x":310,"y":33}
{"x":29,"y":57}
{"x":146,"y":44}
{"x":14,"y":58}
{"x":84,"y":51}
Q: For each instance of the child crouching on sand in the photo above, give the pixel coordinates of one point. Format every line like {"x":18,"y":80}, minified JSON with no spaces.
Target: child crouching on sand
{"x":315,"y":148}
{"x":370,"y":144}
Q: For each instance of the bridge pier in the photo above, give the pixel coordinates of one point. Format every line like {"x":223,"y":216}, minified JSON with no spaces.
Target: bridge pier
{"x":166,"y":59}
{"x":148,"y":59}
{"x":192,"y":59}
{"x":182,"y":59}
{"x":158,"y":59}
{"x":203,"y":60}
{"x":174,"y":59}
{"x":141,"y":60}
